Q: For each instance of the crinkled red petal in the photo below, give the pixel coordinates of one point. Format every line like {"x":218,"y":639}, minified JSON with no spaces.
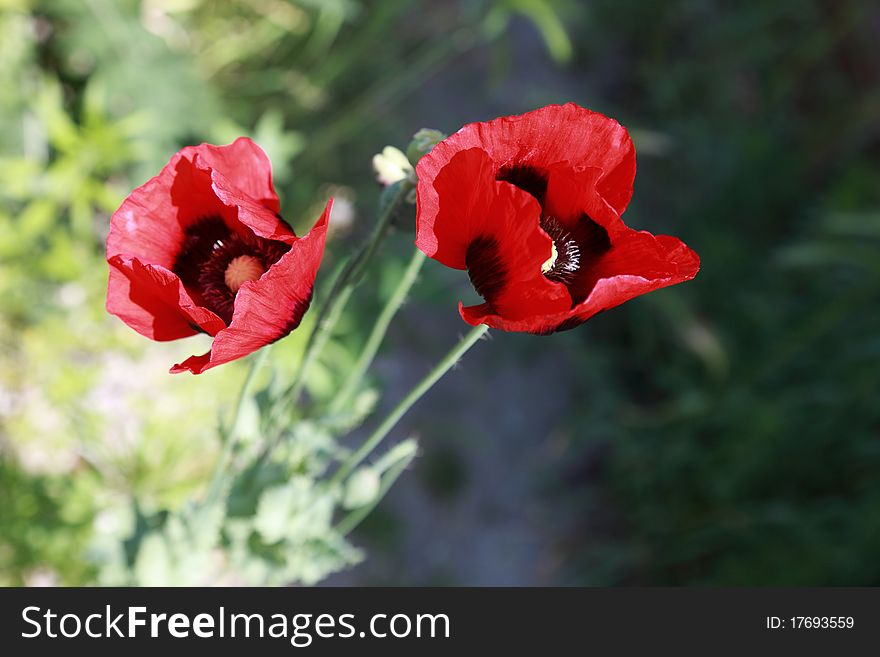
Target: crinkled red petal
{"x":153,"y":301}
{"x":637,"y":262}
{"x":549,"y":136}
{"x":255,"y":215}
{"x":150,"y":222}
{"x":242,"y":161}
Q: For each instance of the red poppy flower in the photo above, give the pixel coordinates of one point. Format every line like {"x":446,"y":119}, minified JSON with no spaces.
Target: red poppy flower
{"x":530,"y":205}
{"x":201,"y":248}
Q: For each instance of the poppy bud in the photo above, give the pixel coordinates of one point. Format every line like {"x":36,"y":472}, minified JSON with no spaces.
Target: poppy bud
{"x":391,"y":166}
{"x":422,"y":143}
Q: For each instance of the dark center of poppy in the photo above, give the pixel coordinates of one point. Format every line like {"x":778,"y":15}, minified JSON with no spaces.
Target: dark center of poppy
{"x":577,"y":241}
{"x":565,"y":255}
{"x":215,"y":261}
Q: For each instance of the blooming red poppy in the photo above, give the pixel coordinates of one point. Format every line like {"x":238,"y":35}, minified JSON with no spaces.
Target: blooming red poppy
{"x":201,"y":248}
{"x":530,"y":205}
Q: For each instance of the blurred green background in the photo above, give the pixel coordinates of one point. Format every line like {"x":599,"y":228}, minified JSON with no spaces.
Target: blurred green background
{"x":726,"y":431}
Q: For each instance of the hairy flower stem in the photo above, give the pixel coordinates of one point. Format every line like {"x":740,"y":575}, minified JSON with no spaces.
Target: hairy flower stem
{"x":377,"y":335}
{"x":229,"y":432}
{"x":407,"y":402}
{"x":330,"y":309}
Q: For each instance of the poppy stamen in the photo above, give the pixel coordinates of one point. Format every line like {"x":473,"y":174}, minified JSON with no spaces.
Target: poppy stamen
{"x":240,"y":270}
{"x":565,"y":254}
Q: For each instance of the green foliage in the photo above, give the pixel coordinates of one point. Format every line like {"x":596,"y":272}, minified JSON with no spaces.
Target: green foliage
{"x":546,"y":18}
{"x":740,"y":420}
{"x":45,"y":519}
{"x":95,"y":463}
{"x":109,"y":484}
{"x":737,"y":413}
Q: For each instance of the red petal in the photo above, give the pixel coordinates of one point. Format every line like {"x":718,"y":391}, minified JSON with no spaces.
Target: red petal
{"x":465,"y":186}
{"x":572,"y":193}
{"x":153,"y":301}
{"x":195,"y":184}
{"x":255,"y":215}
{"x":640,"y":254}
{"x":637,"y":263}
{"x":543,"y":138}
{"x":521,"y":247}
{"x":147,"y":225}
{"x":242,"y":161}
{"x":271,"y":307}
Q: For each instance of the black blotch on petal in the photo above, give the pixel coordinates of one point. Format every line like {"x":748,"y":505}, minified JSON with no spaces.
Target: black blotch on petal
{"x":527,"y":178}
{"x":591,"y":238}
{"x":593,"y":242}
{"x":485,"y":267}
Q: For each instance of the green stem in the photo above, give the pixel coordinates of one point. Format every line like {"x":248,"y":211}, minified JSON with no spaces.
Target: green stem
{"x":377,"y":335}
{"x":407,"y":402}
{"x":230,"y":432}
{"x":354,"y":518}
{"x":333,"y":304}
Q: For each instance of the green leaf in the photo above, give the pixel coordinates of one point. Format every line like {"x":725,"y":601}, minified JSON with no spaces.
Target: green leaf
{"x":204,"y":524}
{"x":296,"y":511}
